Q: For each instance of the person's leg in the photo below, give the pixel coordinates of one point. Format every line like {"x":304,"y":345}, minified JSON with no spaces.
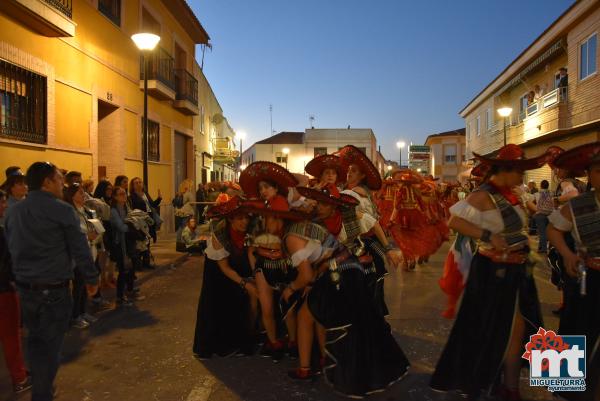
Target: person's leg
{"x":46,"y":315}
{"x":292,"y":326}
{"x":265,"y":297}
{"x":306,"y":330}
{"x":121,"y":278}
{"x":541,"y":221}
{"x":10,"y":336}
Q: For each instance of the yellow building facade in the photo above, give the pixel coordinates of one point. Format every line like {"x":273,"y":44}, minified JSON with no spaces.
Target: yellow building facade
{"x":545,"y":111}
{"x":71,"y":84}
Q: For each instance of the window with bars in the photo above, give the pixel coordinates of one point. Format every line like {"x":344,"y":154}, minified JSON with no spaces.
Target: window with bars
{"x":111,"y":10}
{"x":153,"y":140}
{"x":320,"y":151}
{"x":23,"y":104}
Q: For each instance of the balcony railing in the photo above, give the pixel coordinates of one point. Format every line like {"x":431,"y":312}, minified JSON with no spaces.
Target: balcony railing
{"x":160,"y":68}
{"x":186,"y":86}
{"x":558,"y":95}
{"x":64,"y":6}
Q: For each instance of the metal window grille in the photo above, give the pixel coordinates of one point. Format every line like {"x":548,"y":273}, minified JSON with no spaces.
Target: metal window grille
{"x":153,"y":140}
{"x":111,"y":9}
{"x":64,"y":6}
{"x":187,"y":86}
{"x":23,"y":104}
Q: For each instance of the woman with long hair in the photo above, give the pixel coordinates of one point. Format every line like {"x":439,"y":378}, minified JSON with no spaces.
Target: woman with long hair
{"x":500,"y":307}
{"x":119,"y":251}
{"x":141,"y":200}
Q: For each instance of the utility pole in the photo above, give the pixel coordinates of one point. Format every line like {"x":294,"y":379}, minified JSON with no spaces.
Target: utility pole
{"x":271,"y":114}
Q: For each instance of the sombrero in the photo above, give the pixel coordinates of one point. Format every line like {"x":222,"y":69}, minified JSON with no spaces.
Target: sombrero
{"x":407,"y":176}
{"x":329,"y":194}
{"x":276,"y":207}
{"x":553,"y":152}
{"x":235,"y":205}
{"x":316,"y":166}
{"x":580,"y":158}
{"x":512,"y":156}
{"x":266,"y":171}
{"x":480,"y":170}
{"x":352,"y":155}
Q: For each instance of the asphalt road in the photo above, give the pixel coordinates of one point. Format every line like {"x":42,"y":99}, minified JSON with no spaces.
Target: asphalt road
{"x":144,"y":352}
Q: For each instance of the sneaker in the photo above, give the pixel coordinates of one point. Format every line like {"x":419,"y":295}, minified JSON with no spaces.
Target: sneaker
{"x":23,"y":386}
{"x":80,"y":323}
{"x":301,"y":374}
{"x":124,"y":301}
{"x":89,"y":318}
{"x":275,"y":350}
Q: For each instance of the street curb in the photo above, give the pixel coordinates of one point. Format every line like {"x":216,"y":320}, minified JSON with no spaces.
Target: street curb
{"x":163,"y":267}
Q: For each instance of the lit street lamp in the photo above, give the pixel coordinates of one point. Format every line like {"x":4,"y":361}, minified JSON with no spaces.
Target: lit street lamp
{"x":286,"y":152}
{"x":145,"y":42}
{"x":505,"y":112}
{"x":400,"y":145}
{"x":241,"y":136}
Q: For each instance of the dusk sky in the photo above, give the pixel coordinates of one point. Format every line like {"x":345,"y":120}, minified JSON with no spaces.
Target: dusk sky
{"x":403,"y":68}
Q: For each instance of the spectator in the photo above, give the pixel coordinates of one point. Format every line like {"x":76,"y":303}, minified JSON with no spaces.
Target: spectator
{"x":103,"y":192}
{"x":141,"y":200}
{"x":15,"y":185}
{"x":563,"y":80}
{"x":539,"y":92}
{"x":122,"y":181}
{"x":88,"y":188}
{"x":73,"y":177}
{"x":74,"y":195}
{"x":184,"y":208}
{"x":532,"y":187}
{"x":45,"y":242}
{"x":191,"y":237}
{"x":10,"y":324}
{"x":118,"y":252}
{"x":200,"y":198}
{"x":530,"y":98}
{"x":545,"y":206}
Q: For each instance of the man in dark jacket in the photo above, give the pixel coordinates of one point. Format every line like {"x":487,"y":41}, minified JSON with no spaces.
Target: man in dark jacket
{"x":45,"y":241}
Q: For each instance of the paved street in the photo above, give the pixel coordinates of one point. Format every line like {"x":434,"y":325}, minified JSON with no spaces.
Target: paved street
{"x":144,"y":352}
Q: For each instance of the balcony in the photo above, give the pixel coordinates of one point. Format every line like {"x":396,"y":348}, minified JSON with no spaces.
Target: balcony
{"x":50,"y":18}
{"x":161,"y":76}
{"x":186,"y":86}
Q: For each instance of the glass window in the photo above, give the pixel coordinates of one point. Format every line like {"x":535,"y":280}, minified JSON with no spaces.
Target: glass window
{"x":450,"y":154}
{"x":111,"y":9}
{"x":489,"y":118}
{"x":23,"y":104}
{"x":280,"y":157}
{"x":153,"y":140}
{"x":587,"y":57}
{"x":478,"y":125}
{"x":320,"y":151}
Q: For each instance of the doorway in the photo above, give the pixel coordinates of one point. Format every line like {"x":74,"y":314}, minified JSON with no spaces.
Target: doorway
{"x":110,"y":161}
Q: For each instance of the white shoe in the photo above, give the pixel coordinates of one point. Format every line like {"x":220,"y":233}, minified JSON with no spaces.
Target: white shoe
{"x":89,"y":318}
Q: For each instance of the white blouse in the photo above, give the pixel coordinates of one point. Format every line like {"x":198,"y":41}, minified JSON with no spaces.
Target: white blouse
{"x":312,"y":252}
{"x":487,"y":220}
{"x":215,"y":254}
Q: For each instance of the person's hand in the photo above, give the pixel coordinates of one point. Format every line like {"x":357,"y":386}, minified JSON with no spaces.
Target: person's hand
{"x":251,"y":289}
{"x":394,"y":257}
{"x":92,"y":289}
{"x":571,"y":261}
{"x":92,"y":235}
{"x":498,"y":242}
{"x":287,"y":293}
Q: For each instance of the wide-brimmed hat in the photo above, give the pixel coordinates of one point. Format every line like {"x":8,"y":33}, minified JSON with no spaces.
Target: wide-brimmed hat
{"x":266,"y":171}
{"x":407,"y":176}
{"x":276,"y":207}
{"x":579,"y":159}
{"x":512,"y":156}
{"x":233,"y":206}
{"x":553,"y":152}
{"x":316,"y":166}
{"x":480,"y":170}
{"x":329,"y":194}
{"x":352,"y":155}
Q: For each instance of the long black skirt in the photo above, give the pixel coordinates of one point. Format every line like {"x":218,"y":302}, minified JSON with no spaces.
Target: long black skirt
{"x":364,"y":355}
{"x":473,"y":357}
{"x":223,"y":323}
{"x":375,"y":278}
{"x":581,"y":316}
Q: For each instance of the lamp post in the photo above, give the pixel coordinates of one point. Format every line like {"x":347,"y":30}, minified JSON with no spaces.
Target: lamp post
{"x":145,"y":42}
{"x":286,"y":152}
{"x":400,"y":145}
{"x":505,"y":112}
{"x":241,"y":136}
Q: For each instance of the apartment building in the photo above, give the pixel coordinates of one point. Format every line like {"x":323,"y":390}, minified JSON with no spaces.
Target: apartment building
{"x":547,"y":109}
{"x":447,"y":160}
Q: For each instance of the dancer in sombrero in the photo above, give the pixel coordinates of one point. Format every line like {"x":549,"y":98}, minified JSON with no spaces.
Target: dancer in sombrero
{"x":500,"y":307}
{"x":580,"y":217}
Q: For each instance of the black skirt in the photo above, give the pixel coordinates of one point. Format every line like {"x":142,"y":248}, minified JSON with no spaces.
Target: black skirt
{"x":375,"y":276}
{"x":365,"y":357}
{"x":581,"y":316}
{"x":223,"y":324}
{"x":473,"y":357}
{"x":277,"y":273}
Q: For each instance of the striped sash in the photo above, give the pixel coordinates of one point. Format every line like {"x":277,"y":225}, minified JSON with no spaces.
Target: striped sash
{"x":513,"y":225}
{"x":587,"y":222}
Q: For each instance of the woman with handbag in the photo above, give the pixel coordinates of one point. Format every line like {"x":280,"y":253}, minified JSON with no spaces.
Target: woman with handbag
{"x":141,"y":200}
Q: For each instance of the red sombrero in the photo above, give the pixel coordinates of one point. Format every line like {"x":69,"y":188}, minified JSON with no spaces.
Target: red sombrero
{"x":480,"y":170}
{"x":407,"y":176}
{"x":580,"y":158}
{"x":512,"y":155}
{"x":329,"y":194}
{"x":266,"y":171}
{"x":553,"y":152}
{"x":276,"y":207}
{"x":316,"y":166}
{"x":352,"y":155}
{"x":235,"y":205}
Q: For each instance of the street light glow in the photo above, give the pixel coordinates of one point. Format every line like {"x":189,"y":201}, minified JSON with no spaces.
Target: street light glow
{"x":505,"y":111}
{"x":243,"y":167}
{"x":389,"y":168}
{"x":400,"y":144}
{"x":145,"y":41}
{"x":240,"y":135}
{"x":418,"y":170}
{"x":285,"y":151}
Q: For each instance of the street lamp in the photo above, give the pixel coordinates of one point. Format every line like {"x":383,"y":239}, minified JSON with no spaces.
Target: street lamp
{"x":400,"y":145}
{"x":505,"y":112}
{"x":241,"y":136}
{"x":286,"y":151}
{"x":145,"y":42}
